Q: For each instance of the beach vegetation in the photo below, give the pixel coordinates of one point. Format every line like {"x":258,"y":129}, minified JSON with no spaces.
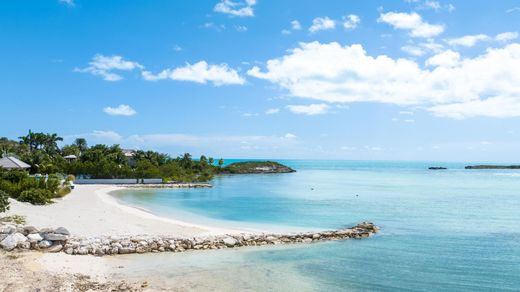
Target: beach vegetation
{"x":36,"y":196}
{"x":4,"y":201}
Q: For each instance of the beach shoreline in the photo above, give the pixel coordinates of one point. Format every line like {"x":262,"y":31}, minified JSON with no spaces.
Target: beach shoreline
{"x":90,"y":210}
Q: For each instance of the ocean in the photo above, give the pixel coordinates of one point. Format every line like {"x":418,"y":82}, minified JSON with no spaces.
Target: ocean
{"x":451,"y":230}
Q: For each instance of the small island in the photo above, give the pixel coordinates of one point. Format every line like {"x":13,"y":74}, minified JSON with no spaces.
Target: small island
{"x":492,"y":167}
{"x":437,"y":168}
{"x":256,"y":167}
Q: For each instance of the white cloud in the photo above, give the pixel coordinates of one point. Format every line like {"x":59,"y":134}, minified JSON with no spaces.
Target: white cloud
{"x":514,"y":9}
{"x":496,"y":106}
{"x":447,"y":58}
{"x":413,"y":50}
{"x":68,"y":2}
{"x":105,"y":135}
{"x":311,"y":110}
{"x":121,"y":110}
{"x":241,"y":28}
{"x":406,"y":113}
{"x":272,"y":111}
{"x":240,"y":8}
{"x":247,"y":115}
{"x":412,"y":22}
{"x":177,"y":48}
{"x":200,"y":72}
{"x":471,"y":40}
{"x":295,"y":25}
{"x":290,"y":136}
{"x":351,"y":21}
{"x":506,"y":36}
{"x":322,"y":23}
{"x":468,"y":40}
{"x":286,"y":31}
{"x":104,"y":65}
{"x":341,"y":74}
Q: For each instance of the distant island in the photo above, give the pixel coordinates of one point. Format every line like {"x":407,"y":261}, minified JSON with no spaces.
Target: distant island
{"x":492,"y":167}
{"x":256,"y":167}
{"x":436,"y":168}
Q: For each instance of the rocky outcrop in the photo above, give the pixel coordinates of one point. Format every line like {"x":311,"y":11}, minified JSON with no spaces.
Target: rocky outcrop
{"x":492,"y":167}
{"x":256,"y":167}
{"x":59,"y":240}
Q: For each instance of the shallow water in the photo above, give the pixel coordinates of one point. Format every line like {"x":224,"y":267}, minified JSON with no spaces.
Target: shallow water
{"x":451,"y":230}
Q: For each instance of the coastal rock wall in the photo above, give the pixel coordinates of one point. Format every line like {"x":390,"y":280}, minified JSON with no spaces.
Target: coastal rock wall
{"x":17,"y":237}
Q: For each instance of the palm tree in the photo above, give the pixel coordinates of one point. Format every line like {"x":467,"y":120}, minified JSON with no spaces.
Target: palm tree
{"x":220,"y":162}
{"x":82,"y":144}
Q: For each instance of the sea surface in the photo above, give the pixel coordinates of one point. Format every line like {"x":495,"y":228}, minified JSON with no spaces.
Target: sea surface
{"x":449,"y":230}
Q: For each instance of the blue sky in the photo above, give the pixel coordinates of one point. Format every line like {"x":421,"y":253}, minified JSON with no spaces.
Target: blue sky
{"x":395,"y":80}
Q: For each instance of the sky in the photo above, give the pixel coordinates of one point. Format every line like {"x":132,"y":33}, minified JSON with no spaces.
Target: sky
{"x":295,"y":79}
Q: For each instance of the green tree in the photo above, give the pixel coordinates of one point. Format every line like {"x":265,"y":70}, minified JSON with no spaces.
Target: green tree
{"x":4,"y":201}
{"x":82,"y":145}
{"x":220,"y":162}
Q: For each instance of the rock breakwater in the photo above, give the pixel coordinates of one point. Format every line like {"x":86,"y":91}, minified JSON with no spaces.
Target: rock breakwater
{"x":18,"y":237}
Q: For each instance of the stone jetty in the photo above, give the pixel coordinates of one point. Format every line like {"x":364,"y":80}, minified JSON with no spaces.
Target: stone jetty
{"x":18,"y":237}
{"x":167,"y":186}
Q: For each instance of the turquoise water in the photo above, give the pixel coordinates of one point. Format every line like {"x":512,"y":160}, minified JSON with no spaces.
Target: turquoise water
{"x":441,"y":230}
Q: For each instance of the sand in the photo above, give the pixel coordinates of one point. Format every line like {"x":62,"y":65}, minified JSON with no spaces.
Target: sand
{"x":90,"y":211}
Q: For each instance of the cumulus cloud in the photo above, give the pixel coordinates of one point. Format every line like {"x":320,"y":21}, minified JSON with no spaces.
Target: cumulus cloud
{"x":239,"y":8}
{"x":412,"y":22}
{"x":506,"y":36}
{"x":322,"y":23}
{"x":272,"y":111}
{"x":200,"y":72}
{"x":121,"y":110}
{"x":310,"y":110}
{"x":446,"y":85}
{"x":295,"y":25}
{"x":447,"y":58}
{"x":468,"y":40}
{"x":413,"y":50}
{"x":105,"y":65}
{"x":351,"y":21}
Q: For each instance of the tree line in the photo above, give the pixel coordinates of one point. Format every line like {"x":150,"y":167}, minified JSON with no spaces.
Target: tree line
{"x":42,"y":152}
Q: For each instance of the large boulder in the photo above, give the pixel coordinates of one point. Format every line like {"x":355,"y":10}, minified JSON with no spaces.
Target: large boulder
{"x":12,"y":240}
{"x":34,"y":237}
{"x":55,"y":237}
{"x":62,"y":230}
{"x":230,"y":241}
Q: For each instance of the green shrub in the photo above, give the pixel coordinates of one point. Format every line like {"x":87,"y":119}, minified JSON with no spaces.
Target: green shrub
{"x":70,"y":177}
{"x":4,"y":201}
{"x":62,"y":192}
{"x":36,"y":196}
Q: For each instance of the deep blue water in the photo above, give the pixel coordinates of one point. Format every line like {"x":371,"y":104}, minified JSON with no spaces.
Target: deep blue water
{"x":441,"y":230}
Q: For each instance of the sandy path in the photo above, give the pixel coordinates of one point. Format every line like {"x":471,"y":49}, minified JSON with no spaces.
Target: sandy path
{"x":90,"y":211}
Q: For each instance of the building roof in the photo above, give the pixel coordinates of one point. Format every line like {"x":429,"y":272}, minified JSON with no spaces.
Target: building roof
{"x":11,"y":162}
{"x":72,"y":156}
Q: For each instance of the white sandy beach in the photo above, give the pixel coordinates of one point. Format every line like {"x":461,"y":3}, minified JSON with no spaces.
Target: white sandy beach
{"x":90,"y":211}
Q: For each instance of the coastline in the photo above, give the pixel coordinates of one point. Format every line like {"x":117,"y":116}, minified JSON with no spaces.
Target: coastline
{"x":89,"y":210}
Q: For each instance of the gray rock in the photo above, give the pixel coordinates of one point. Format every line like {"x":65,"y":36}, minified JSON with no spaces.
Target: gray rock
{"x":3,"y":236}
{"x":62,"y":230}
{"x":34,"y":237}
{"x":7,"y":229}
{"x":55,"y":237}
{"x":30,"y":229}
{"x":12,"y":240}
{"x":230,"y":241}
{"x":44,"y":244}
{"x":126,"y":250}
{"x":24,"y":245}
{"x":55,"y":248}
